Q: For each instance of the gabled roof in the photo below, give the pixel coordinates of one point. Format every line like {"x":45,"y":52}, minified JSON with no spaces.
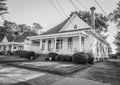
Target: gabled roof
{"x":1,"y":37}
{"x":22,"y":37}
{"x":56,"y":29}
{"x":10,"y":37}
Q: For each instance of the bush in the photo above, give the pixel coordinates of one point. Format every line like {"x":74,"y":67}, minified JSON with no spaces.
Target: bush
{"x":8,"y":52}
{"x":62,"y":58}
{"x":2,"y":52}
{"x":57,"y":57}
{"x":52,"y":56}
{"x":68,"y":58}
{"x":91,"y":58}
{"x":25,"y":54}
{"x":113,"y":56}
{"x":80,"y":58}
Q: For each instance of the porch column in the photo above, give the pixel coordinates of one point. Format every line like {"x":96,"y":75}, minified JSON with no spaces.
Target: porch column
{"x":12,"y":48}
{"x":30,"y":42}
{"x":29,"y":46}
{"x":40,"y":45}
{"x":46,"y":47}
{"x":1,"y":47}
{"x":80,"y":46}
{"x":55,"y":45}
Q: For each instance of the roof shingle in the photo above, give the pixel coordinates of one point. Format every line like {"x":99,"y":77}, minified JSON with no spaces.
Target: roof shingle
{"x":56,"y":29}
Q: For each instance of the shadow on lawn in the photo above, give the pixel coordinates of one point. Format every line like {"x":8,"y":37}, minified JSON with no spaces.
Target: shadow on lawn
{"x":107,"y":73}
{"x":21,"y":83}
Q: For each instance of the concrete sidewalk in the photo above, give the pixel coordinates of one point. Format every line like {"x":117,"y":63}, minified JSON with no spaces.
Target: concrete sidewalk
{"x":78,"y":81}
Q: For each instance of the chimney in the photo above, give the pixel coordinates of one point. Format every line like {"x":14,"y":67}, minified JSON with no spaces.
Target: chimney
{"x":92,"y":17}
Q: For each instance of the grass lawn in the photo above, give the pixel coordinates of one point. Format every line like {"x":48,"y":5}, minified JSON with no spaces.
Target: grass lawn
{"x":53,"y":67}
{"x":102,"y":72}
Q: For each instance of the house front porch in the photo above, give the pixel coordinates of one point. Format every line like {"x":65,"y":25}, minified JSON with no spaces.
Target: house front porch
{"x":60,"y":43}
{"x":10,"y":46}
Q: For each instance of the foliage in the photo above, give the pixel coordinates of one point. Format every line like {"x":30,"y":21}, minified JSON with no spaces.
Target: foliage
{"x":25,"y":54}
{"x":80,"y":58}
{"x":2,"y":53}
{"x":57,"y":58}
{"x":113,"y":56}
{"x":24,"y":28}
{"x":91,"y":58}
{"x":3,"y":8}
{"x":62,"y":57}
{"x":68,"y":58}
{"x":36,"y":27}
{"x":100,"y":20}
{"x":115,"y":17}
{"x":52,"y":56}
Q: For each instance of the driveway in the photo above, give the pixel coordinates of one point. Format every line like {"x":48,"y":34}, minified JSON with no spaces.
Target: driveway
{"x":13,"y":75}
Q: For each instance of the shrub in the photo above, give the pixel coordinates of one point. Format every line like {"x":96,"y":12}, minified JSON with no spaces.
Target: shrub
{"x":2,"y":52}
{"x":91,"y":58}
{"x":57,"y":57}
{"x":25,"y":54}
{"x":62,"y":58}
{"x":68,"y":58}
{"x":52,"y":56}
{"x":113,"y":56}
{"x":8,"y":52}
{"x":80,"y":58}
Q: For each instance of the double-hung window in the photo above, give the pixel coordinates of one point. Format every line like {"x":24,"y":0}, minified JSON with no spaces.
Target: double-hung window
{"x":82,"y":43}
{"x":49,"y":45}
{"x":43,"y":45}
{"x":59,"y":44}
{"x":70,"y":43}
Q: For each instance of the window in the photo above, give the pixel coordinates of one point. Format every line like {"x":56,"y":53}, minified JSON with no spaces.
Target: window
{"x":75,"y":26}
{"x":49,"y":45}
{"x":43,"y":45}
{"x":70,"y":43}
{"x":59,"y":44}
{"x":97,"y":47}
{"x":82,"y":40}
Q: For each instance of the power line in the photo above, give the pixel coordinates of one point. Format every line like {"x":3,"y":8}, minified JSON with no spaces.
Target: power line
{"x":100,"y":7}
{"x":73,"y":4}
{"x":55,"y":7}
{"x":82,"y":5}
{"x":61,"y":8}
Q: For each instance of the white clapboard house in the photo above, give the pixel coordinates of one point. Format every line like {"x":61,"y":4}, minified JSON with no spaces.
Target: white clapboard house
{"x":70,"y":36}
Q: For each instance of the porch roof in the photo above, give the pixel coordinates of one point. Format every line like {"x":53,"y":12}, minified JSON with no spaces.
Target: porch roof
{"x":61,"y":34}
{"x":9,"y":43}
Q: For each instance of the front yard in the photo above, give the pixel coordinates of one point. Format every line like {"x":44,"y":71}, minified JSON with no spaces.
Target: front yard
{"x":106,"y":72}
{"x":52,"y":67}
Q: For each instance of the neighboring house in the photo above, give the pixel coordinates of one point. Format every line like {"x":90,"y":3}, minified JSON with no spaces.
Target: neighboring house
{"x":70,"y":36}
{"x":12,"y":43}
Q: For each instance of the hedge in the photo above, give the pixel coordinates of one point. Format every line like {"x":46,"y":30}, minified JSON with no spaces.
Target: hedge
{"x":26,"y":54}
{"x":80,"y":58}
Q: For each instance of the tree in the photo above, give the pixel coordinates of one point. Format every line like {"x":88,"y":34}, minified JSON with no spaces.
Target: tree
{"x":24,"y":28}
{"x":3,"y":8}
{"x":11,"y":27}
{"x":115,"y":17}
{"x":37,"y":27}
{"x":100,"y":20}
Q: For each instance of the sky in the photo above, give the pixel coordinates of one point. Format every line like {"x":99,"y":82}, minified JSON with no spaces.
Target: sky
{"x":48,"y":12}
